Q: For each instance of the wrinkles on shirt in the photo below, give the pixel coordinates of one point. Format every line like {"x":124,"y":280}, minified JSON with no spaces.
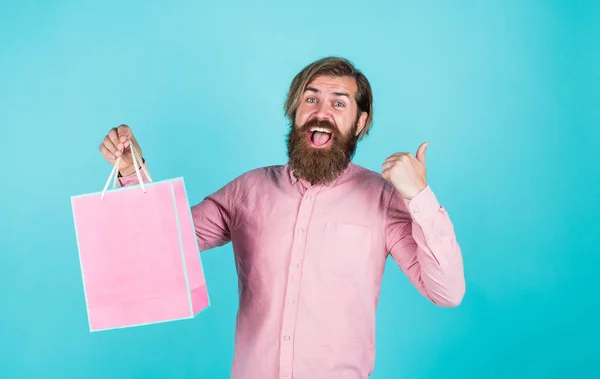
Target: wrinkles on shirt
{"x":421,"y":240}
{"x":352,"y":360}
{"x":310,"y":261}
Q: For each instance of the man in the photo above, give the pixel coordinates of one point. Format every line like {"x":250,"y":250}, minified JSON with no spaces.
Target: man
{"x":311,"y":237}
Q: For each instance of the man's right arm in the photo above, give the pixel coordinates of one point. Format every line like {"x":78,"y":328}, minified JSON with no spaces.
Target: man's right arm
{"x":213,"y":218}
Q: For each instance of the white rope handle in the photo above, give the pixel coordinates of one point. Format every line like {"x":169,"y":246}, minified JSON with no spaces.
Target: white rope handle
{"x":139,"y":160}
{"x":136,"y":164}
{"x":115,"y":168}
{"x":116,"y":176}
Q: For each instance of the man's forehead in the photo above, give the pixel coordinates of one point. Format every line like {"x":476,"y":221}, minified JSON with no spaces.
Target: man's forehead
{"x":333,"y":84}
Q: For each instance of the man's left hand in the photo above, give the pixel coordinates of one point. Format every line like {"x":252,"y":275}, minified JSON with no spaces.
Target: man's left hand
{"x":407,"y":172}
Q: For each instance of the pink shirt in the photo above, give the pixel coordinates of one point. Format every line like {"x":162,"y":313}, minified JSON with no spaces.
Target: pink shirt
{"x":310,"y":261}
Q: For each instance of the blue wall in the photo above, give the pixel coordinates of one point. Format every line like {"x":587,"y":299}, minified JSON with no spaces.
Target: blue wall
{"x":507,"y":94}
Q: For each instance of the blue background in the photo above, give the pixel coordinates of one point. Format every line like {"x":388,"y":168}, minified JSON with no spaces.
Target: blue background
{"x":506,"y":92}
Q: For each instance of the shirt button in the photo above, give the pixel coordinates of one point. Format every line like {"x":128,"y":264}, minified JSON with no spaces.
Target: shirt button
{"x":291,"y":302}
{"x":287,"y":338}
{"x":300,"y":230}
{"x":296,"y":265}
{"x":416,"y":210}
{"x":308,"y":197}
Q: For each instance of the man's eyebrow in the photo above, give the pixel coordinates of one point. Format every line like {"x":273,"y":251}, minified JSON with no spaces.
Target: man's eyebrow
{"x":315,"y":90}
{"x":342,"y":94}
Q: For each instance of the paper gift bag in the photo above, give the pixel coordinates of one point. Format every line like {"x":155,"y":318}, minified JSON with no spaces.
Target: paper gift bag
{"x":139,"y":256}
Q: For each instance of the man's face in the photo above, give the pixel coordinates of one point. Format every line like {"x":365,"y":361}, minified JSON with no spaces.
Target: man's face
{"x":323,"y":137}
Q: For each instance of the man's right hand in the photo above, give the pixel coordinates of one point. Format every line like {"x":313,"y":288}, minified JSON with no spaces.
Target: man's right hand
{"x":116,"y":144}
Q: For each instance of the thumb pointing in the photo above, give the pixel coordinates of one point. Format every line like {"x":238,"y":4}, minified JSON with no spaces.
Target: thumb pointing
{"x":421,"y":152}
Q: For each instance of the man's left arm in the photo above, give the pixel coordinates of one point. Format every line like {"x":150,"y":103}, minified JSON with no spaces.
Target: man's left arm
{"x":419,"y":233}
{"x":420,"y":237}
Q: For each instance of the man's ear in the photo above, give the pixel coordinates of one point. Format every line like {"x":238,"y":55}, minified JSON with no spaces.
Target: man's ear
{"x":362,"y":121}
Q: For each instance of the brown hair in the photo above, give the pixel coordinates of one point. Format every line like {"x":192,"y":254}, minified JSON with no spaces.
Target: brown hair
{"x":332,"y":66}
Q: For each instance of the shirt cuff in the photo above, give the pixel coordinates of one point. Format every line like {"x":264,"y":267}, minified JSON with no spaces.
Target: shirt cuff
{"x":132,"y":178}
{"x":424,"y":206}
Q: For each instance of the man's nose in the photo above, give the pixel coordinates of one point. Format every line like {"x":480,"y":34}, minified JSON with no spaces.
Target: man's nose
{"x":323,"y":112}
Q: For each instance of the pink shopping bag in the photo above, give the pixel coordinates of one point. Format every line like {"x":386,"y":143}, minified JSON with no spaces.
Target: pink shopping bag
{"x":139,"y":256}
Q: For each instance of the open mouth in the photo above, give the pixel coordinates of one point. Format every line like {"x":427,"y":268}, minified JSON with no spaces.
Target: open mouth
{"x":319,"y":137}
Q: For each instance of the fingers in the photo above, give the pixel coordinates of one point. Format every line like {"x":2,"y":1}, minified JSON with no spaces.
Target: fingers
{"x":388,"y":174}
{"x":124,"y":132}
{"x":398,"y":157}
{"x":392,"y":160}
{"x":116,"y":141}
{"x":121,"y":138}
{"x":111,"y":142}
{"x":113,"y":136}
{"x":108,"y":150}
{"x":122,"y":135}
{"x":387,"y":165}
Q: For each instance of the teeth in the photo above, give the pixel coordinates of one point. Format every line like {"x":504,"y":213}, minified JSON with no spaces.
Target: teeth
{"x":317,"y":129}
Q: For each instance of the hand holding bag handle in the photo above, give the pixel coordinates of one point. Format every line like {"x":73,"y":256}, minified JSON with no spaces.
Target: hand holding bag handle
{"x":136,"y":164}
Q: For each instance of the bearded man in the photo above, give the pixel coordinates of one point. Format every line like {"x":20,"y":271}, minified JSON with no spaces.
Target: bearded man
{"x":311,"y":237}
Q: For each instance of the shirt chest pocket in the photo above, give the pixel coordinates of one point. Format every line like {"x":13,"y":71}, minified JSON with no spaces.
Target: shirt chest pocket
{"x":345,"y":249}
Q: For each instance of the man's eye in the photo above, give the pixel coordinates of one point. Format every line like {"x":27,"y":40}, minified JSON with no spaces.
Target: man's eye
{"x":338,"y":104}
{"x":311,"y":100}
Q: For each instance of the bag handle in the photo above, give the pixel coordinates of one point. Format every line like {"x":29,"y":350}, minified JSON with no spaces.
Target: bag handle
{"x":136,"y":162}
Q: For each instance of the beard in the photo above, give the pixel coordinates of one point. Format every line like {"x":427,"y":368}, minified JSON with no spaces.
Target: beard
{"x":320,"y":165}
